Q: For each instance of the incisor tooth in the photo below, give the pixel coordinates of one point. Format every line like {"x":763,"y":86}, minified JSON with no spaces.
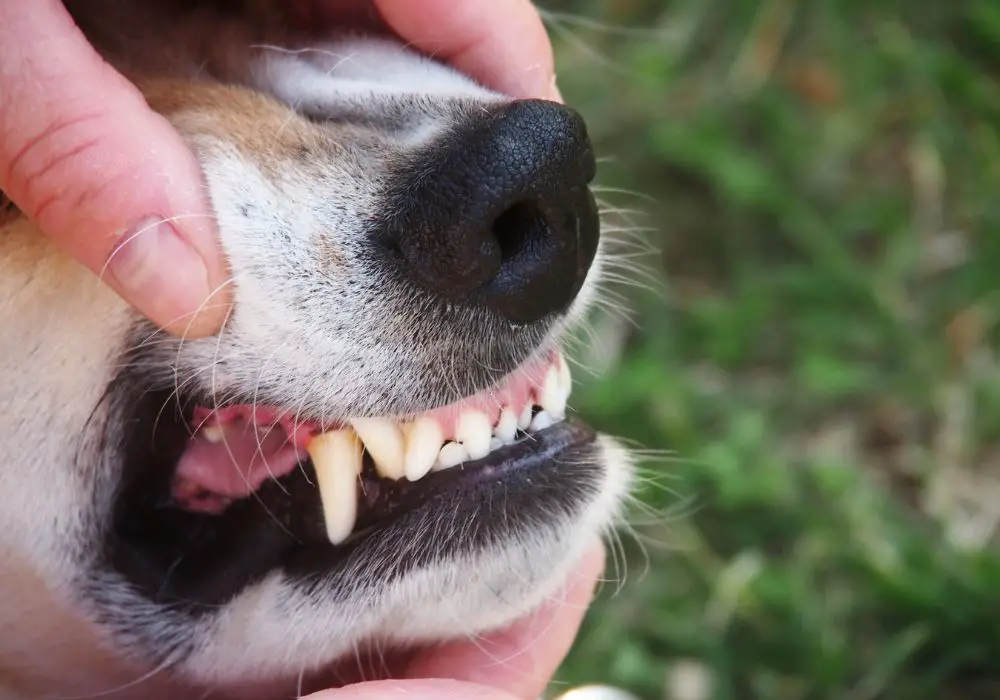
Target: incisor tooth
{"x":384,"y":441}
{"x":495,"y":444}
{"x":541,"y":421}
{"x":524,"y":420}
{"x":553,"y":398}
{"x":337,"y":459}
{"x":474,"y":432}
{"x":423,"y":442}
{"x":213,"y":433}
{"x":565,"y":378}
{"x":506,"y":427}
{"x":451,"y":455}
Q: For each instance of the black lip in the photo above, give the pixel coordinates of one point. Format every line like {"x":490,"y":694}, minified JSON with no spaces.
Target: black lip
{"x":200,"y":561}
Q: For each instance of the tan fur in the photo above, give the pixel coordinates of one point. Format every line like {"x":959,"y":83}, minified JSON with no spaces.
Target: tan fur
{"x":264,"y":130}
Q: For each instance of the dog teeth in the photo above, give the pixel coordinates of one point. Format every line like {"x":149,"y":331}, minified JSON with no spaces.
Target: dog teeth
{"x":506,"y":427}
{"x":565,"y":378}
{"x":553,"y":397}
{"x":451,"y":455}
{"x":541,"y":421}
{"x":474,"y":432}
{"x":524,"y":419}
{"x":384,"y":441}
{"x":337,"y":458}
{"x":423,"y":442}
{"x":414,"y":449}
{"x":213,"y":433}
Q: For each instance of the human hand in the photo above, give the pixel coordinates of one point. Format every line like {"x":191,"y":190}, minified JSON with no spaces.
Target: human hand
{"x":514,"y":664}
{"x":114,"y":185}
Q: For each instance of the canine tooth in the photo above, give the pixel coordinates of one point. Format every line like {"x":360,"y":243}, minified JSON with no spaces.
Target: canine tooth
{"x":506,"y":426}
{"x":524,"y":420}
{"x":384,"y":441}
{"x":423,"y":442}
{"x":553,"y":396}
{"x":451,"y":455}
{"x":541,"y":421}
{"x":213,"y":433}
{"x":474,"y":432}
{"x":496,"y":443}
{"x":337,"y":459}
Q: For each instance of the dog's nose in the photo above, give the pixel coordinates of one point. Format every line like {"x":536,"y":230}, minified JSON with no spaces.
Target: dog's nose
{"x":498,"y":212}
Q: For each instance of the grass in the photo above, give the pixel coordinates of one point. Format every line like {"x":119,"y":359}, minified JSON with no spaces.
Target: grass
{"x":811,"y":360}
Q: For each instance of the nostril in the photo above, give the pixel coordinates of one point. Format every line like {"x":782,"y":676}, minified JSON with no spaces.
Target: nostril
{"x":519,"y":230}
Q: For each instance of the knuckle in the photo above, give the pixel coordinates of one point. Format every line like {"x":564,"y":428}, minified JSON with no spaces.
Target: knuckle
{"x":55,"y":148}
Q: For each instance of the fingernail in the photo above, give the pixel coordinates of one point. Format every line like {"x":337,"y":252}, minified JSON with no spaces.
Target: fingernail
{"x":159,"y":273}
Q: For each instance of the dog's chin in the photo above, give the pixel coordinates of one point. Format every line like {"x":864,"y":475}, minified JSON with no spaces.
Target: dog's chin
{"x":513,"y":519}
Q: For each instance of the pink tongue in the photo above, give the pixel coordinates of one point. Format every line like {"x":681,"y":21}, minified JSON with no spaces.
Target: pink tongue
{"x":234,"y":467}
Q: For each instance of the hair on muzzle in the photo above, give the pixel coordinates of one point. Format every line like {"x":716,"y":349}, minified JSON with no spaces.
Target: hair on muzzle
{"x":498,"y":212}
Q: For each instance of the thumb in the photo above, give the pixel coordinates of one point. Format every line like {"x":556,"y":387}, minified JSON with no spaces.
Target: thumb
{"x":101,"y":174}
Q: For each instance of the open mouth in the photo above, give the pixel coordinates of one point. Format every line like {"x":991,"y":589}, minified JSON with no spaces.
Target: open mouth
{"x":212,"y":499}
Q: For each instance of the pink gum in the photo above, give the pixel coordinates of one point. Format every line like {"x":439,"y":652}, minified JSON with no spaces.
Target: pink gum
{"x":514,"y":392}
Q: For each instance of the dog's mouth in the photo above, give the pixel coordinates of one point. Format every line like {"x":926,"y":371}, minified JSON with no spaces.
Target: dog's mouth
{"x":213,"y":499}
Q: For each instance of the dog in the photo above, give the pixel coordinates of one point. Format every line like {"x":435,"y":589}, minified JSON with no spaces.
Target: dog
{"x":373,"y":452}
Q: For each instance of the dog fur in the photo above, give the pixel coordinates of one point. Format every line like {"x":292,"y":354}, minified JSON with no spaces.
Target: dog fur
{"x":296,"y":139}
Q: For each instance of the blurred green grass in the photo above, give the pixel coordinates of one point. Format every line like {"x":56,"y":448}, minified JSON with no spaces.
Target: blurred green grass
{"x":811,"y":360}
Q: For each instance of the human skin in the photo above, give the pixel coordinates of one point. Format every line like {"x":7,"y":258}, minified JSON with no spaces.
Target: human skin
{"x":514,"y":664}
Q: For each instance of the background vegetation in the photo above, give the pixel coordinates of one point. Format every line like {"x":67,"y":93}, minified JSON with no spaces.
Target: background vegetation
{"x":811,"y":360}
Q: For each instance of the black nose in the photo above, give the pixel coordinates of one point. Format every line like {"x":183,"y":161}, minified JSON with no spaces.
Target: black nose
{"x":499,"y":213}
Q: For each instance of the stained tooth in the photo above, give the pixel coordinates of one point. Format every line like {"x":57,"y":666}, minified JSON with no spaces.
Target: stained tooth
{"x":213,"y":433}
{"x":541,"y":421}
{"x":565,"y":378}
{"x":384,"y":441}
{"x":451,"y":455}
{"x":474,"y":432}
{"x":553,"y":397}
{"x":506,"y":426}
{"x":496,"y":443}
{"x":423,"y":442}
{"x":337,"y":459}
{"x":524,"y":420}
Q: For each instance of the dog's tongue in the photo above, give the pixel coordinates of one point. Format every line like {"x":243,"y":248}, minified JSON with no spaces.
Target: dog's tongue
{"x":231,"y":460}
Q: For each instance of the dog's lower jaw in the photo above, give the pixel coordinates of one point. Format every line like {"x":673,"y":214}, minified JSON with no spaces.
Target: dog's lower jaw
{"x":473,"y":594}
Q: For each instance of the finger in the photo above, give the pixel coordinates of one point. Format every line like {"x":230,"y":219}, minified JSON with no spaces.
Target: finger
{"x":107,"y":179}
{"x":425,"y":689}
{"x":501,"y":43}
{"x":522,"y":659}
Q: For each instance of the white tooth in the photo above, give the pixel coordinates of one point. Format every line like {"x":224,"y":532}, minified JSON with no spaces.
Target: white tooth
{"x":565,"y":378}
{"x":474,"y":432}
{"x":337,"y":459}
{"x":553,"y":397}
{"x":423,"y":442}
{"x":213,"y":433}
{"x":541,"y":421}
{"x":506,"y":426}
{"x":384,"y":441}
{"x":524,"y":420}
{"x":451,"y":455}
{"x":496,"y":443}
